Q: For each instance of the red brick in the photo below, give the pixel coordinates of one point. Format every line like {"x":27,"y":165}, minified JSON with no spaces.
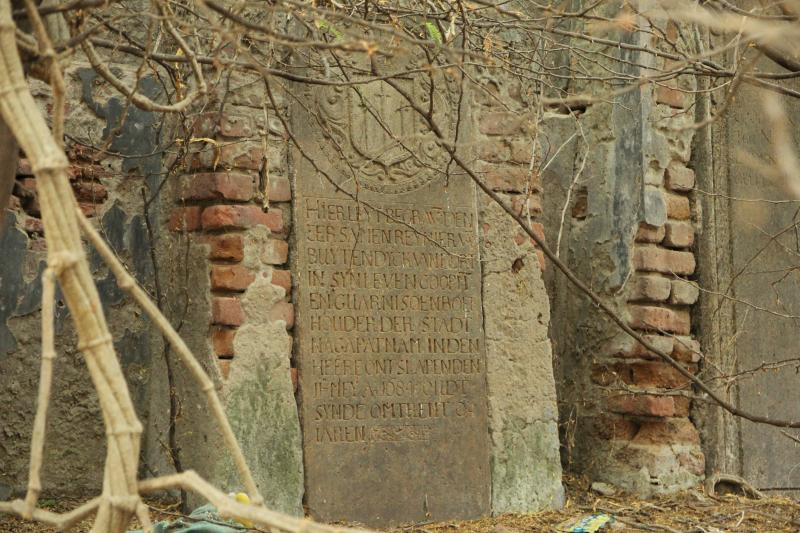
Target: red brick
{"x":236,"y":126}
{"x":648,"y":233}
{"x":79,"y":152}
{"x":89,"y":210}
{"x":24,"y":167}
{"x":683,"y":292}
{"x":505,"y":178}
{"x":227,"y":311}
{"x":649,"y":288}
{"x":671,"y":431}
{"x":488,"y":93}
{"x":230,"y":278}
{"x":542,"y":259}
{"x":580,"y":206}
{"x":89,"y":191}
{"x":524,"y":204}
{"x":279,"y":189}
{"x":643,"y":405}
{"x":224,"y":367}
{"x":33,"y":225}
{"x":672,"y":35}
{"x":626,"y":346}
{"x":283,"y":311}
{"x":682,"y":405}
{"x":250,"y":159}
{"x":241,"y":155}
{"x":678,"y":207}
{"x":87,"y":171}
{"x":655,"y":374}
{"x":219,"y":217}
{"x":613,"y":427}
{"x":217,"y":186}
{"x":606,"y":375}
{"x":500,"y":123}
{"x":671,"y":97}
{"x":679,"y":177}
{"x":493,"y":151}
{"x":213,"y":123}
{"x":228,"y":247}
{"x":185,"y":218}
{"x":687,"y":350}
{"x":652,"y":318}
{"x":282,"y":278}
{"x":679,"y":234}
{"x":205,"y":124}
{"x":522,"y":237}
{"x":276,"y":252}
{"x":654,"y":259}
{"x":222,"y":340}
{"x":521,"y":152}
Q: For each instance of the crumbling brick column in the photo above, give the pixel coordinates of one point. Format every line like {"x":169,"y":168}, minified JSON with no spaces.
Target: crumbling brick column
{"x":233,"y":204}
{"x":629,"y":233}
{"x":220,"y":201}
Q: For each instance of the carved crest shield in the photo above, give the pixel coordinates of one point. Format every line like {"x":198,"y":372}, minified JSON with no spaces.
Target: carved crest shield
{"x":379,"y":140}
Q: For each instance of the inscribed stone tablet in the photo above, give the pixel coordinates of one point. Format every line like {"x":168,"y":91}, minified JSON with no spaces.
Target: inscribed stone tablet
{"x":389,"y":321}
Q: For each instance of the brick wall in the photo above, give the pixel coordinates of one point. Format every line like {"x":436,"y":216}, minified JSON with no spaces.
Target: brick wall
{"x":86,"y":177}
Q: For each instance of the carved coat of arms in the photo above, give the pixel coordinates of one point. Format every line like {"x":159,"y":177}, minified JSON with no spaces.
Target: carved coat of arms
{"x":376,"y":138}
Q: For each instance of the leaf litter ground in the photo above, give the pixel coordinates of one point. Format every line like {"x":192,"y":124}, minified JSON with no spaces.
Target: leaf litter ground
{"x":690,"y":511}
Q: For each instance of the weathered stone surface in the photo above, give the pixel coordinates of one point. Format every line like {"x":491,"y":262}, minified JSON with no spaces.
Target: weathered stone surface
{"x":654,"y":208}
{"x":762,"y":279}
{"x":260,"y":404}
{"x":649,"y":288}
{"x":679,"y":234}
{"x":687,"y":350}
{"x":604,"y":489}
{"x":662,"y":469}
{"x":679,"y":177}
{"x":651,"y":234}
{"x":526,"y":470}
{"x":684,"y":292}
{"x":623,"y":345}
{"x":390,"y":346}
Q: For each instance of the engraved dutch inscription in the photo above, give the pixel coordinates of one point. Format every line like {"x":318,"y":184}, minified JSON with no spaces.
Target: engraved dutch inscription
{"x":389,"y":323}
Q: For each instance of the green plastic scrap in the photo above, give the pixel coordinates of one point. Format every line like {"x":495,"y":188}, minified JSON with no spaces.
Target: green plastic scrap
{"x":324,"y":25}
{"x":433,"y":32}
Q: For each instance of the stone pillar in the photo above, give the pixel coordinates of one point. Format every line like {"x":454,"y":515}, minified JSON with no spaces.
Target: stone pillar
{"x":523,"y":414}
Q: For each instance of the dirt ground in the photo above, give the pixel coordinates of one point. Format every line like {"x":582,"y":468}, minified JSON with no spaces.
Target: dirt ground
{"x":691,"y":511}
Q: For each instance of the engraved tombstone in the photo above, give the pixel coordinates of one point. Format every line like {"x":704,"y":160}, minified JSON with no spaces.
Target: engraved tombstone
{"x":390,"y":347}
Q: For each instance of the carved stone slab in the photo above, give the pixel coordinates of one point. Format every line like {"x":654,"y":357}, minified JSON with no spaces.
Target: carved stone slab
{"x":390,"y":346}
